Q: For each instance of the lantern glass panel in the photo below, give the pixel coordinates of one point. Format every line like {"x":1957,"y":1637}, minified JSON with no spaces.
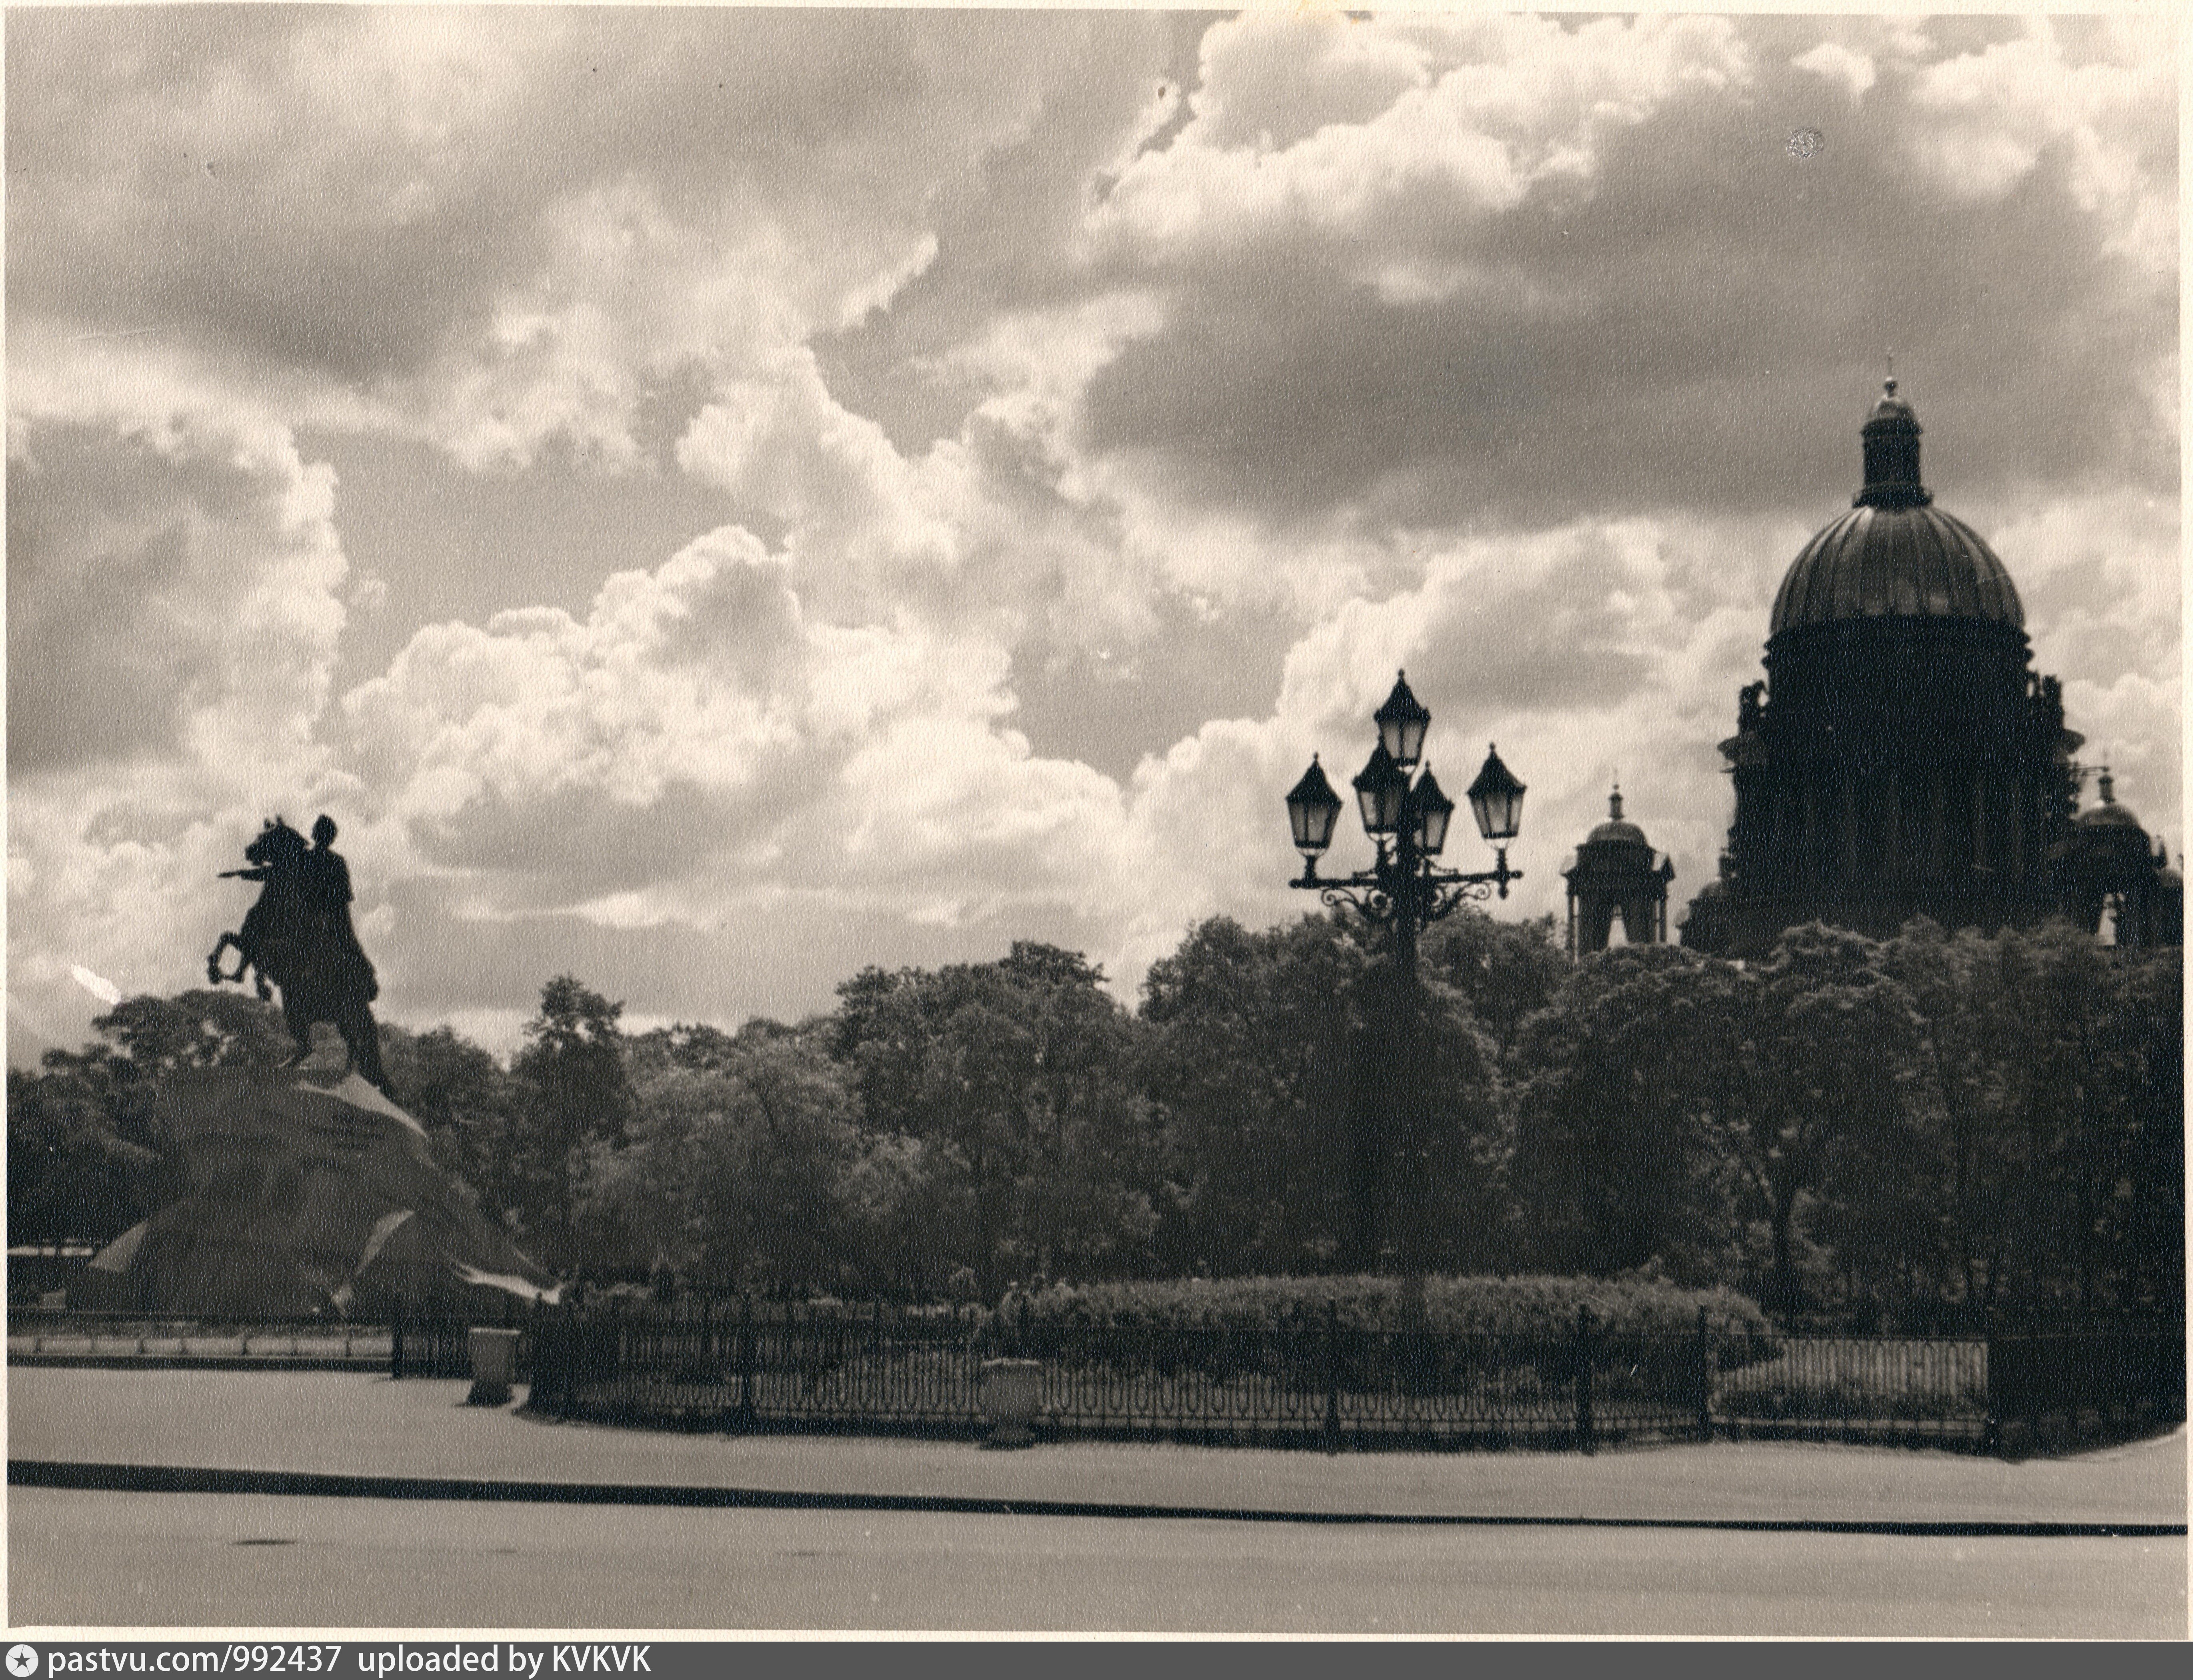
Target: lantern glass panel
{"x":1431,"y":811}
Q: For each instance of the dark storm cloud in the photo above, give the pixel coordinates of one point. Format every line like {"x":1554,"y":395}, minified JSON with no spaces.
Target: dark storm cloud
{"x":1701,"y":327}
{"x":348,"y":189}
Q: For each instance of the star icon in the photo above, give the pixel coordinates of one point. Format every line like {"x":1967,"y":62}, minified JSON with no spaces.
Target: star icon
{"x":22,"y":1661}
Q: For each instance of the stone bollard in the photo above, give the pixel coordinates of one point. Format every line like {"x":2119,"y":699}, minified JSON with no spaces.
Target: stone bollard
{"x":495,"y":1366}
{"x":1012,"y":1389}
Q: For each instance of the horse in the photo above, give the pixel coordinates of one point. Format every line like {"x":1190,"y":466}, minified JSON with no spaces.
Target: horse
{"x":272,"y":853}
{"x":289,"y":943}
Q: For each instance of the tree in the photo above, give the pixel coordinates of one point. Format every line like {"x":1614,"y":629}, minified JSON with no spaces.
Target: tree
{"x":733,"y":1170}
{"x":573,"y":1093}
{"x":1821,"y":1109}
{"x":2142,"y":1237}
{"x":1249,"y":1058}
{"x":2057,"y":1067}
{"x":1017,"y":1078}
{"x":466,"y":1100}
{"x":160,"y":1036}
{"x":1443,"y":1153}
{"x":1508,"y":970}
{"x":1321,"y":1108}
{"x":1621,"y":1121}
{"x":88,"y":1155}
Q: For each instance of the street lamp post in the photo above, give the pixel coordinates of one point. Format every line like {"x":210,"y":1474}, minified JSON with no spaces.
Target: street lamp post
{"x":1406,"y":818}
{"x":1406,"y":814}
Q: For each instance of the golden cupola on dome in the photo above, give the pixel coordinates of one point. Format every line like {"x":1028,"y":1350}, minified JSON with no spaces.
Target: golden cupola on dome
{"x":1894,"y":554}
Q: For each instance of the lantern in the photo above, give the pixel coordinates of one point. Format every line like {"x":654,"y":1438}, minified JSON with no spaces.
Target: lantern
{"x":1401,"y":723}
{"x":1496,"y":800}
{"x":1312,"y":809}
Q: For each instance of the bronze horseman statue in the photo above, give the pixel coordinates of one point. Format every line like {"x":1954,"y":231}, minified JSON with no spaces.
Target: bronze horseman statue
{"x":298,"y":937}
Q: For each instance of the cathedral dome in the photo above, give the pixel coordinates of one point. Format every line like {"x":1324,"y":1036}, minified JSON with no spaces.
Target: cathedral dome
{"x":1894,"y":555}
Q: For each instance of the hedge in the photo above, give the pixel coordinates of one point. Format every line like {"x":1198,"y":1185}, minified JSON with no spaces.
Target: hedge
{"x":1510,"y":1306}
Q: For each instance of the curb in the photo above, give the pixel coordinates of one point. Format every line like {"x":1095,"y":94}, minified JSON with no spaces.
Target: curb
{"x":84,"y":1477}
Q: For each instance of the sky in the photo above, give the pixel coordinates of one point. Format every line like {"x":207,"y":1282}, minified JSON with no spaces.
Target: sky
{"x":709,"y":500}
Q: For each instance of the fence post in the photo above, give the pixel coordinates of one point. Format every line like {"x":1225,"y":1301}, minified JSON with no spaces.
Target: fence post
{"x":746,"y":1362}
{"x":396,"y":1338}
{"x":1586,"y":1432}
{"x":1705,"y":1378}
{"x":615,"y":1361}
{"x":568,"y":1351}
{"x":1333,"y":1375}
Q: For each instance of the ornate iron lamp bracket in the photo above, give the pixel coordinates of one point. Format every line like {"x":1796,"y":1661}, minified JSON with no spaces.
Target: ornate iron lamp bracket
{"x":1379,"y":895}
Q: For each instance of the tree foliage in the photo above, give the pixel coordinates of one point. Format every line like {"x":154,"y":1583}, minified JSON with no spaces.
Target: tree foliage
{"x":1931,"y":1129}
{"x":572,"y":1095}
{"x":1017,"y":1080}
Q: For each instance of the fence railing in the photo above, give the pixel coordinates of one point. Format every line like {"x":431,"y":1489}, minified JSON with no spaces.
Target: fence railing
{"x":754,"y":1364}
{"x":777,"y":1365}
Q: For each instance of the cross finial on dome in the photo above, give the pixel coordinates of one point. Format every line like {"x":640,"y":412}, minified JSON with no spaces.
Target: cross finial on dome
{"x":2108,"y":785}
{"x":1614,"y":801}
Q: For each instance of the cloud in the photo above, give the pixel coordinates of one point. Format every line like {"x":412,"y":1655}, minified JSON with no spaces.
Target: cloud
{"x":1082,"y":416}
{"x":499,"y":229}
{"x":1832,"y":61}
{"x":173,"y":583}
{"x":1578,"y":271}
{"x":697,"y":734}
{"x":1379,"y":136}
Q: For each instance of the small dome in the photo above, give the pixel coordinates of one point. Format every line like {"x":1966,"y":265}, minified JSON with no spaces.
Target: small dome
{"x":2109,"y":813}
{"x":2108,"y":816}
{"x":1892,"y":407}
{"x":1615,"y":830}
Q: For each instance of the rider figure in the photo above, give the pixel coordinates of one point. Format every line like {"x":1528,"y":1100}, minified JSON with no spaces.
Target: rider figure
{"x":324,"y":886}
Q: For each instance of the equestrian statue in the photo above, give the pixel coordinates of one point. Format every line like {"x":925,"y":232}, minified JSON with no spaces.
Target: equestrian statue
{"x":298,"y":937}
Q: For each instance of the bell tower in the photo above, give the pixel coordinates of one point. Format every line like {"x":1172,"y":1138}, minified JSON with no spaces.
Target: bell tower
{"x":1615,"y":873}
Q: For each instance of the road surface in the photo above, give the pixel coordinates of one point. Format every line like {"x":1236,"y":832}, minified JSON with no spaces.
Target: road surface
{"x":243,"y":1560}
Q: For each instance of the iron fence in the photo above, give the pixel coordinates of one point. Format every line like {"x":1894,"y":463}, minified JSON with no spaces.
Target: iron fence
{"x":873,"y":1368}
{"x":797,"y":1366}
{"x":1932,"y":1390}
{"x":791,"y":1365}
{"x":64,"y":1336}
